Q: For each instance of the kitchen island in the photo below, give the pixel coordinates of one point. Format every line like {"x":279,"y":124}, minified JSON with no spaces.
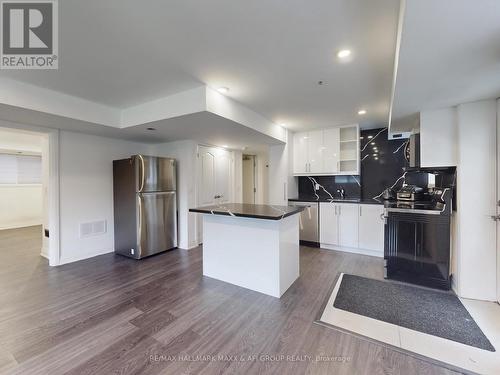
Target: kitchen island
{"x":250,"y":245}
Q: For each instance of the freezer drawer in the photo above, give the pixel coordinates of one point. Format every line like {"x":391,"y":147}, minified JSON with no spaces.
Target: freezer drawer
{"x":157,"y":222}
{"x":154,"y":174}
{"x":308,"y":222}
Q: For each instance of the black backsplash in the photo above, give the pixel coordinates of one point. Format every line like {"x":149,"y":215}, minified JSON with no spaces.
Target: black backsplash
{"x":331,"y":184}
{"x":383,"y":164}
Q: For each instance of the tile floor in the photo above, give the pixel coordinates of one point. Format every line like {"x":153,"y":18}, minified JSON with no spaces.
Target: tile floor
{"x":486,"y":315}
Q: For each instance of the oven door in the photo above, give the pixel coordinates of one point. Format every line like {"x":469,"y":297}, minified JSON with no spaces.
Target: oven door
{"x":417,"y":248}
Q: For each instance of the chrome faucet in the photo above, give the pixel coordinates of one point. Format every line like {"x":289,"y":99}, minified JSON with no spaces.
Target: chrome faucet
{"x":341,"y":191}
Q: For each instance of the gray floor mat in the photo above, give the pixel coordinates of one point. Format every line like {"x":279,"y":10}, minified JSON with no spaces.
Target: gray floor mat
{"x":420,"y":309}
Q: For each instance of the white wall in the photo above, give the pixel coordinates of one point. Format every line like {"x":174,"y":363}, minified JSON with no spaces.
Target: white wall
{"x":466,"y":136}
{"x":21,"y":206}
{"x":86,"y":190}
{"x":185,"y":154}
{"x":262,"y":179}
{"x":476,"y":200}
{"x":45,"y":193}
{"x":282,"y":184}
{"x":438,"y":137}
{"x":238,"y":176}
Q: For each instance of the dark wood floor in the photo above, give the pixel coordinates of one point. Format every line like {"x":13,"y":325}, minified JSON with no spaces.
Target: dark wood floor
{"x":111,"y":314}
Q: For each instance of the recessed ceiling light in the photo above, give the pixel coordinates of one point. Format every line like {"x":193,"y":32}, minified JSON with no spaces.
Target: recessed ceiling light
{"x":225,"y":146}
{"x":283,"y":125}
{"x":343,"y":53}
{"x":223,"y":90}
{"x":152,"y":129}
{"x":362,"y":112}
{"x":370,"y":136}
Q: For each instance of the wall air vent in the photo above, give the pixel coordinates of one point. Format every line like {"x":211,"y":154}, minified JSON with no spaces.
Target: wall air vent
{"x":94,"y":228}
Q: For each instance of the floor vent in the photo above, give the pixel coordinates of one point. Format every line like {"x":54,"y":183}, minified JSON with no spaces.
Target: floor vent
{"x":94,"y":228}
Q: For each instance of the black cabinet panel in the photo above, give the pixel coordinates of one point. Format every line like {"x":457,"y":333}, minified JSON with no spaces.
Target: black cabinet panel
{"x":417,"y":249}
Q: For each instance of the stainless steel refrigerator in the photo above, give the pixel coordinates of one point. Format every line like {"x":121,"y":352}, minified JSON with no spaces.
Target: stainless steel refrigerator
{"x":145,"y":205}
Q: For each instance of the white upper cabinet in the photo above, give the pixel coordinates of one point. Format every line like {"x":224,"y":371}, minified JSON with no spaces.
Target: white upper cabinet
{"x":327,"y":152}
{"x":438,"y":138}
{"x":315,"y":152}
{"x":300,"y":157}
{"x":331,"y":150}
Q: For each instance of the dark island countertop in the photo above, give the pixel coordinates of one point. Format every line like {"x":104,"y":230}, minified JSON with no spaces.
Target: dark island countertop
{"x":338,"y":200}
{"x":255,"y":211}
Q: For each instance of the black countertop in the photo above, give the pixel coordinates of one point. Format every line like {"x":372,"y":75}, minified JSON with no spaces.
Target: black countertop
{"x":255,"y":211}
{"x":338,"y":200}
{"x":426,"y":207}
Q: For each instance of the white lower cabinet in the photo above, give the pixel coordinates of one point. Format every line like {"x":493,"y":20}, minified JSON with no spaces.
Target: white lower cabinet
{"x":352,"y":227}
{"x":371,"y":227}
{"x":348,"y":224}
{"x":328,"y":223}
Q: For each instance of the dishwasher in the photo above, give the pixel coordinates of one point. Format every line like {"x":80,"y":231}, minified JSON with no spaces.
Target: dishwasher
{"x":308,"y":223}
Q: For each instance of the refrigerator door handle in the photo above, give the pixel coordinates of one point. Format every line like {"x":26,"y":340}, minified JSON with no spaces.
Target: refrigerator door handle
{"x":139,"y":237}
{"x":142,"y":172}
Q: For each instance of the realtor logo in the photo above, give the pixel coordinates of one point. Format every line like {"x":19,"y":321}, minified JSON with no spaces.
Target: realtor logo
{"x":29,"y":34}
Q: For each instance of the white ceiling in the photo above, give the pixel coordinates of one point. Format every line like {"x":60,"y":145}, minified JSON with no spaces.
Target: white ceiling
{"x":203,"y":127}
{"x":20,"y":141}
{"x":269,"y":53}
{"x":449,"y":54}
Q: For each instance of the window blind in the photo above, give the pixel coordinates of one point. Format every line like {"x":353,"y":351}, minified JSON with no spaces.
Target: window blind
{"x":20,"y":169}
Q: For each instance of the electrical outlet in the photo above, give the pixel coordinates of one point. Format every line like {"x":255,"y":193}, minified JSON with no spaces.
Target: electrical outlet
{"x":316,"y":186}
{"x":132,"y":251}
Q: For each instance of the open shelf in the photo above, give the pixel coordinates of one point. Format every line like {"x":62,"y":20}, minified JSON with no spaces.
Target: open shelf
{"x":349,"y":166}
{"x":349,"y":134}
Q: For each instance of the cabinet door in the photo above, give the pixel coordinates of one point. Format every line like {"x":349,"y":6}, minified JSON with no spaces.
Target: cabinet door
{"x":348,"y":224}
{"x":371,"y":227}
{"x":328,"y":224}
{"x":300,"y":160}
{"x":331,"y":150}
{"x":315,"y":152}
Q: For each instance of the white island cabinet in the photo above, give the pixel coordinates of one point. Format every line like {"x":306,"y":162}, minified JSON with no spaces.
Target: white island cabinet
{"x":252,"y":246}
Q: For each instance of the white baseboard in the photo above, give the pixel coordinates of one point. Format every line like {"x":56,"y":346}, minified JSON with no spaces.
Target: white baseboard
{"x":191,"y":247}
{"x":66,"y":260}
{"x":353,"y":250}
{"x":20,"y":225}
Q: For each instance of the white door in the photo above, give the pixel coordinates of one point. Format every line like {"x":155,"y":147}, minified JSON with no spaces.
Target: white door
{"x":214,"y":180}
{"x":348,"y":225}
{"x":300,"y":159}
{"x":498,"y":200}
{"x":248,"y":179}
{"x":331,"y":150}
{"x":315,"y":152}
{"x":206,"y":190}
{"x":371,"y":227}
{"x":328,"y":224}
{"x":223,"y":193}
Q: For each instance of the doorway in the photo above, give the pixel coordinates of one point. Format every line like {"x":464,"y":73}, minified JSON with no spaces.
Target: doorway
{"x":29,"y":173}
{"x":249,"y":179}
{"x":215,"y":180}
